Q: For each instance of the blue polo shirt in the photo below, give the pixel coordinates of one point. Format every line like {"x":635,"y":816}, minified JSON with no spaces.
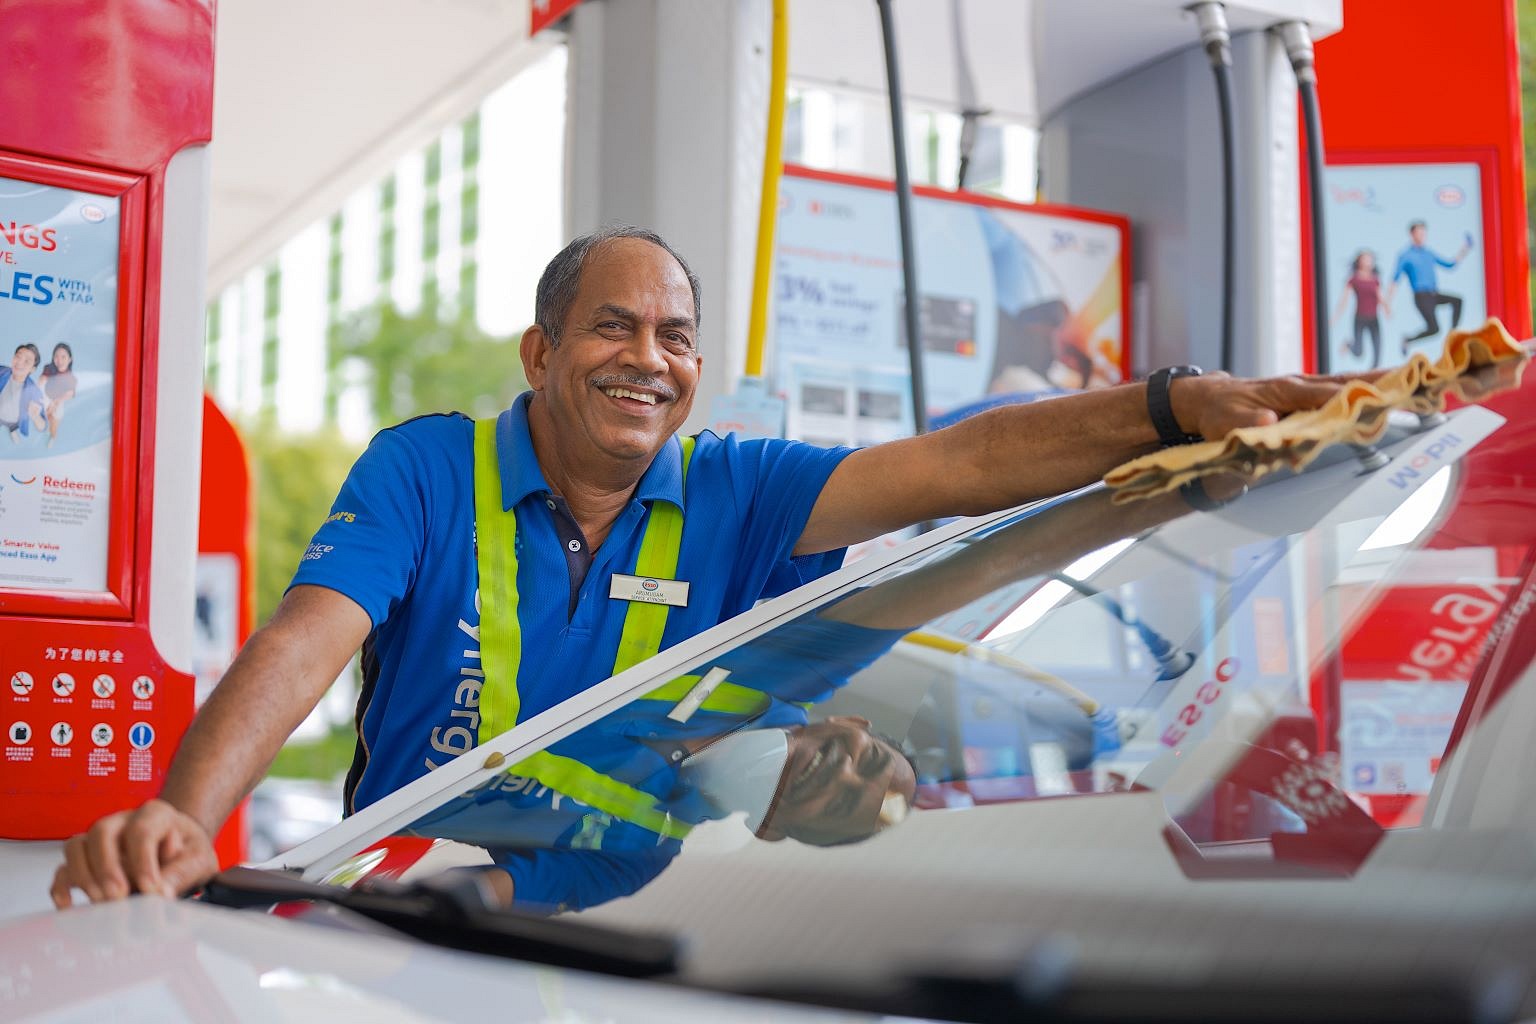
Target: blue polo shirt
{"x":1418,"y":264}
{"x":400,"y":542}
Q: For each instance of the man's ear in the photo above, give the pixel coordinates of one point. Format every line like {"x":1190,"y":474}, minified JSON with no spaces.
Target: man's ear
{"x":535,"y":348}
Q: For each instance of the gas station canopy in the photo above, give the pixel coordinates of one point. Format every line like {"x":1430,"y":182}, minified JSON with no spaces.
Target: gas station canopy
{"x":314,"y":100}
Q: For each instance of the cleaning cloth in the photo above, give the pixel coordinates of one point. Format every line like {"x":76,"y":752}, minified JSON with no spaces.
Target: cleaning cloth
{"x":1356,"y":415}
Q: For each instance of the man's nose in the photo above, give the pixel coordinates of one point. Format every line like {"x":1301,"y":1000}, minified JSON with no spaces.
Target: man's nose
{"x":857,"y":745}
{"x":644,"y":352}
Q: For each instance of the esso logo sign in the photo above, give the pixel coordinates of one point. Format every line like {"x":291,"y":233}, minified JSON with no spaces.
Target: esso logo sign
{"x":1450,"y":196}
{"x":1209,"y":693}
{"x":649,"y":586}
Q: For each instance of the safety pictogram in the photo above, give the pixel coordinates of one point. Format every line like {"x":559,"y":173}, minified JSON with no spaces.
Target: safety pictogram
{"x":104,"y":685}
{"x":21,"y":683}
{"x":101,"y":734}
{"x":21,"y":733}
{"x":62,"y":733}
{"x":64,"y":684}
{"x":141,"y":735}
{"x":143,"y":687}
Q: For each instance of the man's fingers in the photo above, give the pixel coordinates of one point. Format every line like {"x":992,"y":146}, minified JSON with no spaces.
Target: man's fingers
{"x":1293,"y":394}
{"x":104,"y":860}
{"x":62,"y":889}
{"x":78,"y":867}
{"x":141,"y":853}
{"x":191,"y":866}
{"x":1343,"y":378}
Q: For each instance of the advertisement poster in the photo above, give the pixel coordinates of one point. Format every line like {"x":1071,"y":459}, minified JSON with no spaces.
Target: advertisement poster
{"x":1405,"y":259}
{"x":58,"y":320}
{"x":832,"y":403}
{"x":1014,"y":300}
{"x":1394,"y":734}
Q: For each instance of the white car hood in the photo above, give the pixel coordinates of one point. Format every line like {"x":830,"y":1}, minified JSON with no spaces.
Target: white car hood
{"x":152,"y":960}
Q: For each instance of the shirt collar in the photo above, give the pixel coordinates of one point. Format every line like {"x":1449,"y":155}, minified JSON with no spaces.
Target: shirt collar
{"x":521,"y":475}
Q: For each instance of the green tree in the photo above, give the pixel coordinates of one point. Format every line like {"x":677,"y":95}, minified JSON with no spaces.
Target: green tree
{"x":295,"y":476}
{"x":422,"y":362}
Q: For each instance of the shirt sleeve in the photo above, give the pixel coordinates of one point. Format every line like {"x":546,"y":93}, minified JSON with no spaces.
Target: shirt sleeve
{"x":370,"y":545}
{"x":1401,"y":268}
{"x":551,"y":881}
{"x":1443,"y":261}
{"x":784,"y":480}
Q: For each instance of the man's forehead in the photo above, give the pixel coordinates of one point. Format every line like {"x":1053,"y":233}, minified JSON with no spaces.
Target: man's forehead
{"x":630,"y":263}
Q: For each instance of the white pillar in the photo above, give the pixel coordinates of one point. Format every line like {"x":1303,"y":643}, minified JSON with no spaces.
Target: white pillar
{"x":667,"y":107}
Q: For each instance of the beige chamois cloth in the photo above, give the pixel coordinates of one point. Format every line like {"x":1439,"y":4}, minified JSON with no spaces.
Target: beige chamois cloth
{"x":1356,"y":415}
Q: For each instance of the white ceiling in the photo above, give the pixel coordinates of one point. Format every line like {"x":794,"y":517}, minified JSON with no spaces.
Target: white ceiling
{"x":314,"y":99}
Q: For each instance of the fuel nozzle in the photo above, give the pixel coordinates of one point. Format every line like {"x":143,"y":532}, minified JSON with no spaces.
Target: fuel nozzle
{"x":1297,"y":39}
{"x":1214,"y":34}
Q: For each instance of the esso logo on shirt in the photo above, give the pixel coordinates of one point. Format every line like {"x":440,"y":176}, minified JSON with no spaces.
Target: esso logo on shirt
{"x":649,"y":585}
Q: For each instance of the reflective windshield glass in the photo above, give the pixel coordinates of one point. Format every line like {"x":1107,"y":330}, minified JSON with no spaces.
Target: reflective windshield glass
{"x":1260,"y":690}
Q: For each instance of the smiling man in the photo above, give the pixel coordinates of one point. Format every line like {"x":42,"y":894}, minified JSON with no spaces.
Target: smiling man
{"x":491,"y":570}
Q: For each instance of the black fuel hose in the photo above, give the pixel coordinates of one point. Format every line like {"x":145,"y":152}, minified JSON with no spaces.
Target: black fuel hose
{"x":1298,"y":48}
{"x":904,"y":216}
{"x":1312,"y":115}
{"x":1217,"y":41}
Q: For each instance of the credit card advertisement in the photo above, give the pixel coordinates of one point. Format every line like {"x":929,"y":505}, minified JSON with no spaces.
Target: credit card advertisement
{"x":1015,"y":300}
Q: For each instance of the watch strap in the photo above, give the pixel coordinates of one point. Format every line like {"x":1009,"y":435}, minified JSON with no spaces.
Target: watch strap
{"x":1160,"y":406}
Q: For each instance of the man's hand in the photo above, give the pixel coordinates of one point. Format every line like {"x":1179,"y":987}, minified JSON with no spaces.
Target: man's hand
{"x":154,"y":849}
{"x":1215,"y":404}
{"x":277,"y":679}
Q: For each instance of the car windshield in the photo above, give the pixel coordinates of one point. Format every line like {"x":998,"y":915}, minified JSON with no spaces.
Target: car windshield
{"x":1079,"y":715}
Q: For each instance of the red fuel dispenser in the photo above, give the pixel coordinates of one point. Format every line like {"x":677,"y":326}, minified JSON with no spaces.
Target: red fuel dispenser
{"x":103,"y":200}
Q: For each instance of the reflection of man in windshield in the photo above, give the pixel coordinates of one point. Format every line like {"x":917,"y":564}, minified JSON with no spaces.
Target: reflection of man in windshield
{"x":843,"y":783}
{"x":568,"y":838}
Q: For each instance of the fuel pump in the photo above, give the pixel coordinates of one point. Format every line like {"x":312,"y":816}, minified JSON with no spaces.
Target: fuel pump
{"x":103,"y":208}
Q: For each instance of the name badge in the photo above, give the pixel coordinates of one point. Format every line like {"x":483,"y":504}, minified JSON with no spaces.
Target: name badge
{"x":648,"y":590}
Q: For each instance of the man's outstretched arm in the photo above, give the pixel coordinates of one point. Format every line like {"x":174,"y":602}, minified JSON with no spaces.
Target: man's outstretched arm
{"x":165,"y":846}
{"x":1018,"y":453}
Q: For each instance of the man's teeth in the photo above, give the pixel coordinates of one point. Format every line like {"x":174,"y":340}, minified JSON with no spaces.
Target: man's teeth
{"x":815,"y":763}
{"x":639,"y":396}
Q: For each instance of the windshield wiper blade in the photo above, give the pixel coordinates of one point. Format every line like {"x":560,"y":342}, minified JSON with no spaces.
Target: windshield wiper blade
{"x":448,"y":911}
{"x":1037,"y":980}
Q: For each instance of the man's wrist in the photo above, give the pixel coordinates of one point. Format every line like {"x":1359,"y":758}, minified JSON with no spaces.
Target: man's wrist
{"x":1162,"y":408}
{"x":188,"y":809}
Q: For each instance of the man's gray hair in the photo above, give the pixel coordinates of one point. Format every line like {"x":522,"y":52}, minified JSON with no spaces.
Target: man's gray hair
{"x":560,"y":280}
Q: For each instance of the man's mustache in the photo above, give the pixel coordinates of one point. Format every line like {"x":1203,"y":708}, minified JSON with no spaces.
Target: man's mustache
{"x":637,"y":381}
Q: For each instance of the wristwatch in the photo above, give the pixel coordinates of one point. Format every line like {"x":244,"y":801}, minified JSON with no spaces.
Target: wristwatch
{"x":1160,"y":409}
